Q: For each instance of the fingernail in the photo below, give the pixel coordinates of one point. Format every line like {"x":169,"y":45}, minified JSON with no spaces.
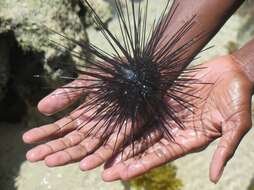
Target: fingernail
{"x":26,"y":138}
{"x":219,"y":176}
{"x":88,"y":163}
{"x":31,"y":156}
{"x":44,"y":107}
{"x":110,"y":175}
{"x":84,"y":166}
{"x":49,"y":105}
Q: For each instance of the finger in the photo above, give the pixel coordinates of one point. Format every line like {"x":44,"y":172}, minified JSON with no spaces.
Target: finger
{"x":45,"y":132}
{"x":115,"y":141}
{"x":72,"y":154}
{"x":134,"y":167}
{"x":62,"y":97}
{"x":228,"y":144}
{"x":136,"y":148}
{"x":113,"y":173}
{"x":185,"y":141}
{"x":77,"y":152}
{"x":57,"y":129}
{"x":41,"y":151}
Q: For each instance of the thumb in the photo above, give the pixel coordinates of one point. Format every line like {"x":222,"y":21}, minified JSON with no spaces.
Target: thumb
{"x":232,"y":133}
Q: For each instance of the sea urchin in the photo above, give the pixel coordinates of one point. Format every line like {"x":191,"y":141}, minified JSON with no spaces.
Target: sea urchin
{"x":141,"y":85}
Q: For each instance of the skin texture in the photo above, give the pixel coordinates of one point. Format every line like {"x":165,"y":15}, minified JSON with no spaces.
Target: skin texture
{"x":224,"y":112}
{"x":245,"y":57}
{"x":210,"y":16}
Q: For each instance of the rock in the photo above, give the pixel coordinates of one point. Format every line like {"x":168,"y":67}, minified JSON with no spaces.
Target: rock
{"x":61,"y":178}
{"x":28,"y":18}
{"x":27,"y":51}
{"x":18,"y":174}
{"x":104,"y":10}
{"x":247,"y":29}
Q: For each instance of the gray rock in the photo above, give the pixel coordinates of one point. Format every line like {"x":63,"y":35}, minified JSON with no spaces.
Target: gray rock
{"x":29,"y":52}
{"x":104,"y":10}
{"x":62,"y":178}
{"x":27,"y":19}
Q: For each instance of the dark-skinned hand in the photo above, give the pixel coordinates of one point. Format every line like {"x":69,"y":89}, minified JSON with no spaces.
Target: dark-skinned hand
{"x":224,"y":112}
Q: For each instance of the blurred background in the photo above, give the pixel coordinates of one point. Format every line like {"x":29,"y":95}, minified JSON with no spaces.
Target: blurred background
{"x":25,"y":51}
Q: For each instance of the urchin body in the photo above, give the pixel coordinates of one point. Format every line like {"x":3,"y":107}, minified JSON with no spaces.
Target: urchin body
{"x":137,"y":87}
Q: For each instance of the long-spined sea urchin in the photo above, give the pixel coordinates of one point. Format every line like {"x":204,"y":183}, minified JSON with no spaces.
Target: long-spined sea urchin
{"x":141,"y":85}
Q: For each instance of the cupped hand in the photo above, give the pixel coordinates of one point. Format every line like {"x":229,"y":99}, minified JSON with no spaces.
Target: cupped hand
{"x":224,"y":112}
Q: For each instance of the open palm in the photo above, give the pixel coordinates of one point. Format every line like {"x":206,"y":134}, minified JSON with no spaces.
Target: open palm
{"x":225,"y":112}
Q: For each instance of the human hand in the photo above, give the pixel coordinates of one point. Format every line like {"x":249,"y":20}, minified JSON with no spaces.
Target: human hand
{"x":65,"y":141}
{"x":225,"y":114}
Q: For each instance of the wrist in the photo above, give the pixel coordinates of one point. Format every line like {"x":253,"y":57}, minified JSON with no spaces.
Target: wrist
{"x":245,"y":58}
